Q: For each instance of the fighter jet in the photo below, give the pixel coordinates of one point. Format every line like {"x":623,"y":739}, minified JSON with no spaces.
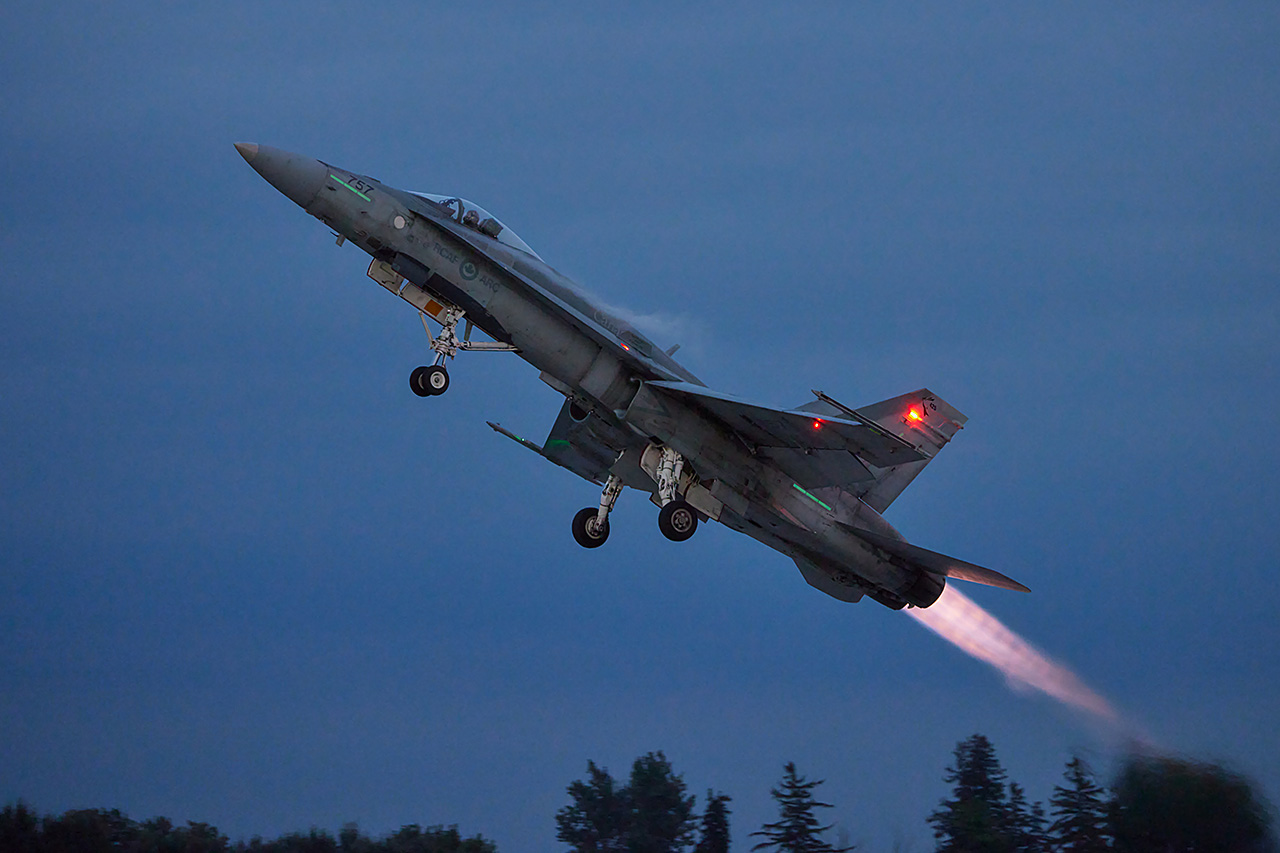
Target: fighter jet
{"x":811,"y":481}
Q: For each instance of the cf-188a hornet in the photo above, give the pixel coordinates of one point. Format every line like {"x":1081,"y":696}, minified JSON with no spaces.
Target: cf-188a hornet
{"x":810,"y":482}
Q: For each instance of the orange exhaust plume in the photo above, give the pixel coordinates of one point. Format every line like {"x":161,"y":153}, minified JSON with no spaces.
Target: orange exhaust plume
{"x":976,"y":632}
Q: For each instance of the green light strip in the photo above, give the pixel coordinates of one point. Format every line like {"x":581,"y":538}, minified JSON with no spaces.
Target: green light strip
{"x":353,"y":189}
{"x":806,"y":493}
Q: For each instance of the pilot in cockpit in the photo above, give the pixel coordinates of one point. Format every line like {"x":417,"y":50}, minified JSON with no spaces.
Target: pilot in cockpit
{"x":471,"y":220}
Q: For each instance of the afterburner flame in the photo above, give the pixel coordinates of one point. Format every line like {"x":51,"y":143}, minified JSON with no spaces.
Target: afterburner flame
{"x":957,"y":619}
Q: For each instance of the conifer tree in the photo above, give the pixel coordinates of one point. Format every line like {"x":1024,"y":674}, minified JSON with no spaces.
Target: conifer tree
{"x":1079,"y":809}
{"x":714,"y":836}
{"x":661,"y":816}
{"x":797,"y":831}
{"x":974,"y":819}
{"x":1024,"y":824}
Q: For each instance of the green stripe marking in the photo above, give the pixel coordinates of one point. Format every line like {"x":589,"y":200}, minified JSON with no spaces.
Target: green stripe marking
{"x":353,"y":189}
{"x":808,"y":495}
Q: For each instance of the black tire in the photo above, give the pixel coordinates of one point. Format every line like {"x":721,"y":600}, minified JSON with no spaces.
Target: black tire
{"x":417,"y":382}
{"x":678,"y":521}
{"x":589,"y":538}
{"x":436,"y":380}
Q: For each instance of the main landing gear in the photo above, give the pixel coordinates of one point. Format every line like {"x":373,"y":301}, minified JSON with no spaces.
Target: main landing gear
{"x":677,"y":520}
{"x":591,"y":525}
{"x":433,"y":380}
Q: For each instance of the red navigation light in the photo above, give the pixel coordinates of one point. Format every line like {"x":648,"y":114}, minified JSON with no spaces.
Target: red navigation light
{"x":817,"y":424}
{"x":913,"y":414}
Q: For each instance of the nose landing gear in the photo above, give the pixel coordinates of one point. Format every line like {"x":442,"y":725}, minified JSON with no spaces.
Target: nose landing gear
{"x":429,"y":381}
{"x":433,"y":380}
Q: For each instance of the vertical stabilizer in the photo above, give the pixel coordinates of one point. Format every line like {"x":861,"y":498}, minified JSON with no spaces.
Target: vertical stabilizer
{"x":921,"y":418}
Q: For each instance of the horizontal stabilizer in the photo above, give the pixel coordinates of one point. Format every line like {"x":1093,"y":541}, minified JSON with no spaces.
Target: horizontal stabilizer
{"x":764,"y":427}
{"x":938,"y":564}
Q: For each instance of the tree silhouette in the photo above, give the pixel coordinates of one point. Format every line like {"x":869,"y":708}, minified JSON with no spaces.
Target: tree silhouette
{"x":1170,"y":804}
{"x":19,"y":829}
{"x":434,"y":839}
{"x":661,"y":815}
{"x":1024,"y":824}
{"x":94,"y":830}
{"x":596,"y":819}
{"x":714,"y":836}
{"x":651,"y":814}
{"x":975,"y":819}
{"x":1079,"y":809}
{"x":797,"y":831}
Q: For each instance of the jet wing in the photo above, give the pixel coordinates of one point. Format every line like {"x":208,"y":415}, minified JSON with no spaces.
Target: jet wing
{"x":938,"y":564}
{"x":800,"y":439}
{"x":574,"y":445}
{"x":580,"y":446}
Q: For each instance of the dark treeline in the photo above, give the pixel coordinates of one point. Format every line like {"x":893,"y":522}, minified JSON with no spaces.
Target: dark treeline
{"x":22,"y":830}
{"x":1154,"y":805}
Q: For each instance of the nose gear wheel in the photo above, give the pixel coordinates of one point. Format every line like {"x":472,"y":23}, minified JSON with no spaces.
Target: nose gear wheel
{"x":429,"y":381}
{"x":433,"y":380}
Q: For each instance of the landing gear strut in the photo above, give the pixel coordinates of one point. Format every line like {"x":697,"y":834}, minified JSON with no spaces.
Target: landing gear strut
{"x":677,"y":520}
{"x":591,"y":525}
{"x":433,"y":380}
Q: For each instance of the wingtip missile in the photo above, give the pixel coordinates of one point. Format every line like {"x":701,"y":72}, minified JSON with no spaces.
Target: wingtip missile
{"x":499,"y":428}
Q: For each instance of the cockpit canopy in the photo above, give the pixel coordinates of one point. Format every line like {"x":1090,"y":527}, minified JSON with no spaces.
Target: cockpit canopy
{"x":477,"y":218}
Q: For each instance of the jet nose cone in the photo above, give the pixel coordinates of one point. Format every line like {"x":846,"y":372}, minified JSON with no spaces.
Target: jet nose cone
{"x":299,"y":177}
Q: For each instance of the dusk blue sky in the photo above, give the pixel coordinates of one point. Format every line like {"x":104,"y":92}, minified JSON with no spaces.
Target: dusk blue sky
{"x":250,"y":579}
